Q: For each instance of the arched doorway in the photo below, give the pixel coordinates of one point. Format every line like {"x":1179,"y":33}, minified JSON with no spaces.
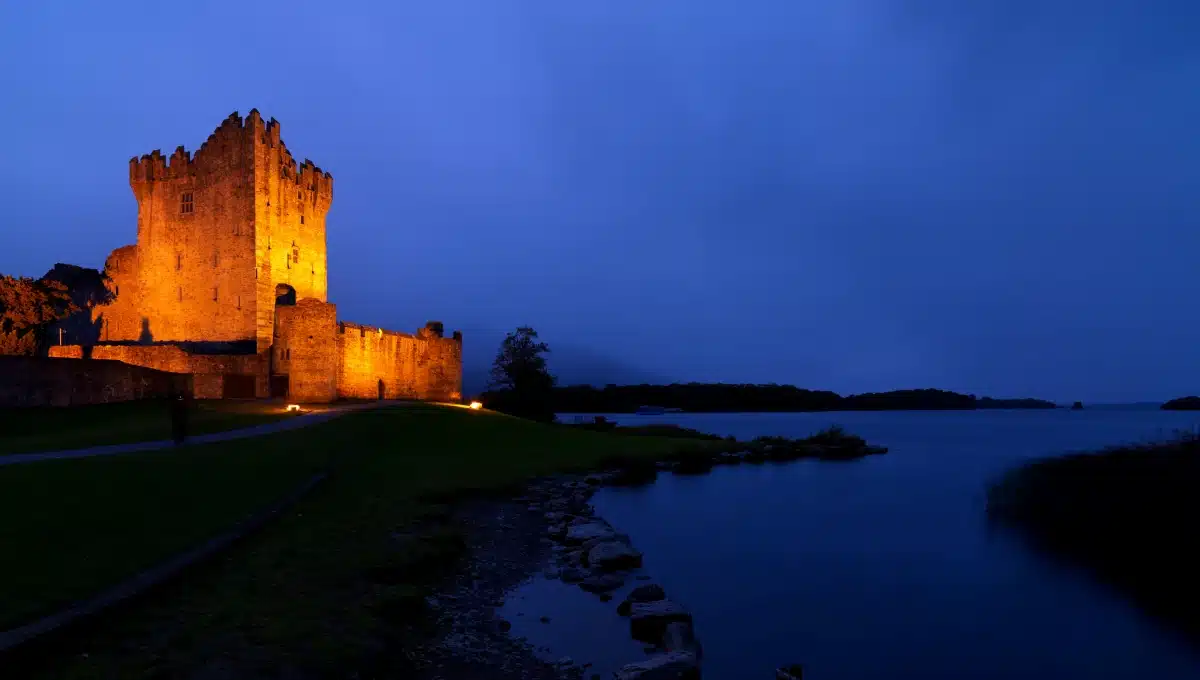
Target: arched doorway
{"x":381,"y":389}
{"x":285,"y":295}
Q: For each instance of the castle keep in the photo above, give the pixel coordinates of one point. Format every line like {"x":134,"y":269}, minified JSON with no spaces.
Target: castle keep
{"x":228,"y":282}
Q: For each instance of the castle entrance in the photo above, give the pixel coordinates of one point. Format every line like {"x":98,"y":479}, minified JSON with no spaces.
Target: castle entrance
{"x":279,"y":386}
{"x":284,"y":295}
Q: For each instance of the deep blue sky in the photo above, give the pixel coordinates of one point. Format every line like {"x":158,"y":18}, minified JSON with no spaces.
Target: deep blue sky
{"x":992,"y":196}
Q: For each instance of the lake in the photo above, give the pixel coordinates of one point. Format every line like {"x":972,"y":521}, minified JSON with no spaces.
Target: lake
{"x":879,"y":568}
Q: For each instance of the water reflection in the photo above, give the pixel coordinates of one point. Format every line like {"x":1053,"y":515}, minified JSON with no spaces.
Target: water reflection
{"x":580,"y":626}
{"x":879,"y":569}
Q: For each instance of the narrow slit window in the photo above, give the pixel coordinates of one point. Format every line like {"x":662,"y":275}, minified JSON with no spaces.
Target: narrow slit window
{"x":239,"y":302}
{"x":185,"y":203}
{"x":214,"y":293}
{"x":302,"y":219}
{"x":216,"y":259}
{"x":181,"y":293}
{"x":178,"y":262}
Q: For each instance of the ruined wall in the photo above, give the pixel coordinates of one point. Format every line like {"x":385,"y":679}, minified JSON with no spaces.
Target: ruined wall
{"x":39,"y":381}
{"x":216,"y":233}
{"x":306,"y":350}
{"x":424,"y":366}
{"x":171,"y":359}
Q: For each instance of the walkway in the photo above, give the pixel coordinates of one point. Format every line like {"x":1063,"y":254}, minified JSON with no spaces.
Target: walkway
{"x":295,"y":423}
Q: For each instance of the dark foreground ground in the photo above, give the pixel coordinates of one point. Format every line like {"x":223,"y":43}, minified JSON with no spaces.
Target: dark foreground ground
{"x":1128,"y":515}
{"x":338,"y":586}
{"x":31,"y":430}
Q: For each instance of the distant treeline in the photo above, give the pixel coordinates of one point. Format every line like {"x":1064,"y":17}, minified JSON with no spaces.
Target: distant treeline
{"x":718,"y":397}
{"x":1182,"y":404}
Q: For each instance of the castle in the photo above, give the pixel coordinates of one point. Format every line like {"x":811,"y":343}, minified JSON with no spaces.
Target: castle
{"x":228,"y":283}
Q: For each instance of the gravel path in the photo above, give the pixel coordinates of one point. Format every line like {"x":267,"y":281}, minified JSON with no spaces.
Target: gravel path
{"x":294,"y":423}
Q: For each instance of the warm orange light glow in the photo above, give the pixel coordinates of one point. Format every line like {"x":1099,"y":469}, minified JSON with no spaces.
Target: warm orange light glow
{"x":293,"y":407}
{"x":476,"y":405}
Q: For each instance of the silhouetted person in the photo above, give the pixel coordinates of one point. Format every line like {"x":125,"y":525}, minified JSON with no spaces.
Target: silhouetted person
{"x":179,"y":416}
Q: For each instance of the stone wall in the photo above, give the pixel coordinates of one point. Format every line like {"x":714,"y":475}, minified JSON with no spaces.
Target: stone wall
{"x":306,"y":350}
{"x":216,"y":233}
{"x":39,"y":381}
{"x":220,"y":235}
{"x":424,"y":366}
{"x":290,"y":204}
{"x":208,"y":369}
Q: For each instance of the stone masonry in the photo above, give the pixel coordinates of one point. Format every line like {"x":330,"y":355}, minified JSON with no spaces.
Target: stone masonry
{"x":231,"y":252}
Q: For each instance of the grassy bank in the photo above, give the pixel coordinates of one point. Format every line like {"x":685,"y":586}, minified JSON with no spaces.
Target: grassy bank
{"x":1127,"y":515}
{"x":28,"y":430}
{"x":314,"y":590}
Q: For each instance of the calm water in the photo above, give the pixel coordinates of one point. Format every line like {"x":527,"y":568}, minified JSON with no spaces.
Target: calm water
{"x":881,"y":568}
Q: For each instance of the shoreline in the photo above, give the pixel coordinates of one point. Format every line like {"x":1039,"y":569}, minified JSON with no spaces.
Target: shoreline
{"x":547,"y":529}
{"x":550,"y":528}
{"x":1117,"y":515}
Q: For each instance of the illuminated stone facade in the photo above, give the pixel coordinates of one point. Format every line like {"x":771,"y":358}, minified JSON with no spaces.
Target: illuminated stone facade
{"x":231,"y":254}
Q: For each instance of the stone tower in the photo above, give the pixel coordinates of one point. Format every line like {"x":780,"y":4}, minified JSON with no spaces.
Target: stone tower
{"x":220,"y":235}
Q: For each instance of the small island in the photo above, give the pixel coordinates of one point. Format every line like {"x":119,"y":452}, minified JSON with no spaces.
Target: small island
{"x":1182,"y":404}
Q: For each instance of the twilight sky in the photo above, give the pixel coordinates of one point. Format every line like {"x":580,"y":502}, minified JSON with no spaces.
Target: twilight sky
{"x":991,"y":196}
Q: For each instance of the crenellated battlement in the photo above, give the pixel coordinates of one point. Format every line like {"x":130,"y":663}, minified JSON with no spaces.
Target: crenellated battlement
{"x":235,"y":138}
{"x":427,"y":332}
{"x":229,"y":139}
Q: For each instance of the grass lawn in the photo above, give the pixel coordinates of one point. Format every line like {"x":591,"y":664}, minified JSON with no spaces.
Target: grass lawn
{"x":1127,"y":515}
{"x":27,"y":430}
{"x":294,"y":595}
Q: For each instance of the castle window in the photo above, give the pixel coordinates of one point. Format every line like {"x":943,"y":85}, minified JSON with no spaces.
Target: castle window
{"x":181,"y":293}
{"x":214,"y":293}
{"x":289,"y":262}
{"x":299,"y":195}
{"x":216,"y":258}
{"x":287,"y":353}
{"x":239,"y":302}
{"x":302,"y":219}
{"x":185,"y":203}
{"x":178,"y":262}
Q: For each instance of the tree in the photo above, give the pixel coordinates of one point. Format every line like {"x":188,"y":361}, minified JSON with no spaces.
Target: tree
{"x":28,"y":307}
{"x":520,"y":375}
{"x":88,"y":288}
